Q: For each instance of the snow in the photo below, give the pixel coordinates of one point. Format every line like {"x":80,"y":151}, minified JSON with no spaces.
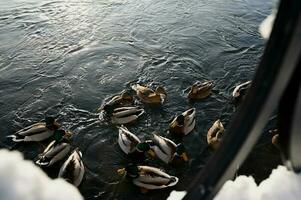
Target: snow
{"x":20,"y":179}
{"x":265,"y":28}
{"x":282,"y":184}
{"x":176,"y":195}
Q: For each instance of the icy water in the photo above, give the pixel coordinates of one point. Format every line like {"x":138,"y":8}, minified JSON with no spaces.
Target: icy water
{"x":63,"y":58}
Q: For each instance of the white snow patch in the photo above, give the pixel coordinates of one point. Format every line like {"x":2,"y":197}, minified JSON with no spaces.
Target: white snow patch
{"x":265,"y":28}
{"x":176,"y":195}
{"x":282,"y":184}
{"x":20,"y":179}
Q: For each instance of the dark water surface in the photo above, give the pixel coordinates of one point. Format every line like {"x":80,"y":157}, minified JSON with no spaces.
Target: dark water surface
{"x":64,"y":58}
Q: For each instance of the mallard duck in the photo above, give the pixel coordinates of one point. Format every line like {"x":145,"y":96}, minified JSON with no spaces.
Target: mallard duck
{"x":148,"y":96}
{"x":122,"y":99}
{"x":131,"y":144}
{"x":184,"y":123}
{"x":37,"y":132}
{"x":148,"y":178}
{"x":214,"y":135}
{"x":123,"y":115}
{"x":240,"y":92}
{"x":73,"y":168}
{"x":200,"y":90}
{"x":56,"y":150}
{"x":167,"y":150}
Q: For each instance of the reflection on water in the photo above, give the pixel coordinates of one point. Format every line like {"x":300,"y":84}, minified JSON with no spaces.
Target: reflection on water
{"x":64,"y":57}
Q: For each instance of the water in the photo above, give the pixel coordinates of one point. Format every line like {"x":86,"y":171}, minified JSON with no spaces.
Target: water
{"x":64,"y":58}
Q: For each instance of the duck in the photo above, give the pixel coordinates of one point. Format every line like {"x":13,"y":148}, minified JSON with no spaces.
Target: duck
{"x":123,"y":115}
{"x":149,"y":96}
{"x":73,"y":169}
{"x":184,"y":123}
{"x":166,"y":150}
{"x":215,"y":134}
{"x":124,"y":98}
{"x":240,"y":92}
{"x":200,"y":90}
{"x":36,"y":132}
{"x":57,"y":150}
{"x":130,"y":144}
{"x":147,"y":177}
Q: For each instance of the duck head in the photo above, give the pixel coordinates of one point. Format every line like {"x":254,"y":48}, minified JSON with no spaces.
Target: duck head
{"x":193,"y":89}
{"x":60,"y":134}
{"x":109,"y":109}
{"x":51,"y":123}
{"x":130,"y":170}
{"x":181,"y":152}
{"x":145,"y":147}
{"x":160,"y":90}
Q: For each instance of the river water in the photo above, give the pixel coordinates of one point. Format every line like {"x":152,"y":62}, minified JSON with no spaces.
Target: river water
{"x":63,"y":58}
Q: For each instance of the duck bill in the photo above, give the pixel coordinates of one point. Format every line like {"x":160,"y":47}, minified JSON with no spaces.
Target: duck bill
{"x":151,"y":153}
{"x":185,"y":157}
{"x":121,"y":171}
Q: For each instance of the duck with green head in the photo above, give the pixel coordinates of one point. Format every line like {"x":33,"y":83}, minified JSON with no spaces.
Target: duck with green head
{"x":131,"y":145}
{"x":166,"y":150}
{"x":37,"y":132}
{"x":148,"y":178}
{"x":57,"y":150}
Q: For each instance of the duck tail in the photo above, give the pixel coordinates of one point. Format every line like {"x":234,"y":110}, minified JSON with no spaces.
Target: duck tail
{"x":121,"y":127}
{"x":141,"y":112}
{"x":173,"y":181}
{"x":15,"y":138}
{"x":41,"y":163}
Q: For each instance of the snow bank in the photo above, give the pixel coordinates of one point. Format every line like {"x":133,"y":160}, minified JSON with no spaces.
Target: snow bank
{"x":282,"y":184}
{"x":176,"y":195}
{"x":20,"y":179}
{"x":265,"y":28}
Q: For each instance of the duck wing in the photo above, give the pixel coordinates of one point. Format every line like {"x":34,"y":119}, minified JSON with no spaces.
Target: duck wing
{"x":163,"y":147}
{"x":53,"y":153}
{"x":214,"y":129}
{"x":189,"y":120}
{"x":73,"y":169}
{"x":33,"y":129}
{"x":127,"y":140}
{"x":125,"y":111}
{"x":154,"y":178}
{"x":142,"y":89}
